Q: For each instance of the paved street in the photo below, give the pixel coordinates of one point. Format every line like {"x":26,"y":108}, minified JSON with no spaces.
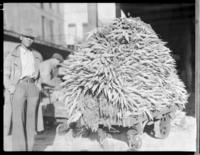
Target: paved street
{"x":181,"y":138}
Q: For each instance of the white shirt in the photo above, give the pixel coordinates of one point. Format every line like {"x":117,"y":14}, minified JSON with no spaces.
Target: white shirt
{"x":27,"y":61}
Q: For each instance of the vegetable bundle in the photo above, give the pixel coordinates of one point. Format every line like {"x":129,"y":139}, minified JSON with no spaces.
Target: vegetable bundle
{"x":122,"y":69}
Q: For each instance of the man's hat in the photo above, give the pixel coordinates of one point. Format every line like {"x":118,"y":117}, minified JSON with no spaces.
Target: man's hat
{"x":28,"y":32}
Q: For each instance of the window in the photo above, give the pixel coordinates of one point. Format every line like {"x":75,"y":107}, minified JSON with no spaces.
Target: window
{"x":47,"y":29}
{"x":4,"y":19}
{"x":51,"y":30}
{"x":71,"y":34}
{"x":43,"y":27}
{"x":60,"y":32}
{"x":42,"y":5}
{"x":50,"y":5}
{"x":58,"y":7}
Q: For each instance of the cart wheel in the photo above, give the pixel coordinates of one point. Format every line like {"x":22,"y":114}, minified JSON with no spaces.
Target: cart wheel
{"x":162,"y":127}
{"x":149,"y":129}
{"x":62,"y":128}
{"x":77,"y":128}
{"x":134,"y":141}
{"x":101,"y":135}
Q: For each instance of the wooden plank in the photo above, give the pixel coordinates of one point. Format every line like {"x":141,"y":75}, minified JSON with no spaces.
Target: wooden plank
{"x":197,"y":70}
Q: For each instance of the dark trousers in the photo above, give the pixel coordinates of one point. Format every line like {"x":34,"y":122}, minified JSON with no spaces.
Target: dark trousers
{"x":25,"y":102}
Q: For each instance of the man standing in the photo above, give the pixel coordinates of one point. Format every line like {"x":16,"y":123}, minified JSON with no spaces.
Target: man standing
{"x":21,"y":73}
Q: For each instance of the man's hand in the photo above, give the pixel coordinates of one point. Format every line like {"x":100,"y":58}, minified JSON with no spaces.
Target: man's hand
{"x":11,"y":89}
{"x":39,"y":86}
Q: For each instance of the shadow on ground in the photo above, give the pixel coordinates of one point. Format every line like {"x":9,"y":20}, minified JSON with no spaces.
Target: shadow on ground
{"x":118,"y":134}
{"x":46,"y":138}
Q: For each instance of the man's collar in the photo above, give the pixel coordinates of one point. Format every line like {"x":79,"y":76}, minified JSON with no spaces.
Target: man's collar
{"x":16,"y":52}
{"x":30,"y":48}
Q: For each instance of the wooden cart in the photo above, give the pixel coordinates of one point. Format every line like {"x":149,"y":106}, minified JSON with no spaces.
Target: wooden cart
{"x":158,"y":127}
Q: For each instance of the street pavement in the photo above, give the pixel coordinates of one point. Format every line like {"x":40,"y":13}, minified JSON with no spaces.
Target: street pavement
{"x":182,"y":137}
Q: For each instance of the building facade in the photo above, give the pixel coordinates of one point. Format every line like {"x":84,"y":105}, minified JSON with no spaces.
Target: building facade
{"x":46,"y":19}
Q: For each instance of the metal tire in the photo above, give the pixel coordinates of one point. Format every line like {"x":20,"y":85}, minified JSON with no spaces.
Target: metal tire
{"x":134,"y":140}
{"x":162,"y":127}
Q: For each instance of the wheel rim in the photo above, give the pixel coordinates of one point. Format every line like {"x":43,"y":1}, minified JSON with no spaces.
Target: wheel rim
{"x":135,"y":142}
{"x":164,"y":126}
{"x":138,"y":142}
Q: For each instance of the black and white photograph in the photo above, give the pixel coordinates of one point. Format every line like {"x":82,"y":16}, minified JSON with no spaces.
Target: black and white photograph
{"x":101,"y":76}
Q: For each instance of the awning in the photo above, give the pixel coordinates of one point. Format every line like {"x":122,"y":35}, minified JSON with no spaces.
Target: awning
{"x":16,"y":35}
{"x":45,"y":48}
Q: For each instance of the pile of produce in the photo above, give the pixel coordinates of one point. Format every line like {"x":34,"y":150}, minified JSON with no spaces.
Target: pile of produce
{"x":122,"y":69}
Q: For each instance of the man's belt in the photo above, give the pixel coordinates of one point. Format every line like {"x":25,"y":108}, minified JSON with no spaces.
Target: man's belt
{"x":28,"y":79}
